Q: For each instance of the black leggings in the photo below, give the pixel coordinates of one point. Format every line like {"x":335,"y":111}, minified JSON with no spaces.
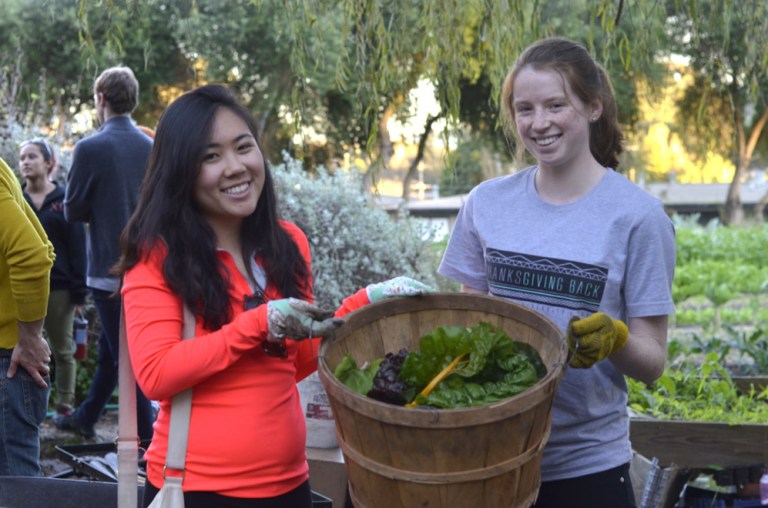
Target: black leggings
{"x":608,"y":489}
{"x":300,"y":497}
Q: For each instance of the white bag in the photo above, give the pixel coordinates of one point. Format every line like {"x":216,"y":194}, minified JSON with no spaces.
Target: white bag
{"x":321,"y":428}
{"x":171,"y":495}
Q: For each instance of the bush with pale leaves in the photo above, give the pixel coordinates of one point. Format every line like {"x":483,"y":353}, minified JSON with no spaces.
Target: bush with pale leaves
{"x":352,"y":242}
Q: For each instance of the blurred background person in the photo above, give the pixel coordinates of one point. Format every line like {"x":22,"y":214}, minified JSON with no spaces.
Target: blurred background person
{"x":102,"y":190}
{"x":37,"y":166}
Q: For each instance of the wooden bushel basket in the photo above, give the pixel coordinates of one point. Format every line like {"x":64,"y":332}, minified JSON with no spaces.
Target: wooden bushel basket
{"x":487,"y":456}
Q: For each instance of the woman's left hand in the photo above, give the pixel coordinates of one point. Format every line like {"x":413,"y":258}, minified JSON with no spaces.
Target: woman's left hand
{"x":399,"y":286}
{"x":594,"y":338}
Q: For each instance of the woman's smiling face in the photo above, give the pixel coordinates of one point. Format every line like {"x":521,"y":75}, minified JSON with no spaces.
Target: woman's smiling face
{"x":232,"y":172}
{"x":550,"y":119}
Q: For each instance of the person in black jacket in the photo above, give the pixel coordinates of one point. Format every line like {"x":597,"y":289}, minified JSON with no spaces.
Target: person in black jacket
{"x":102,"y":190}
{"x":37,"y":163}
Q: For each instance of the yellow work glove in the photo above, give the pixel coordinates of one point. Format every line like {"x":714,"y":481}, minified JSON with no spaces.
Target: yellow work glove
{"x":594,"y":338}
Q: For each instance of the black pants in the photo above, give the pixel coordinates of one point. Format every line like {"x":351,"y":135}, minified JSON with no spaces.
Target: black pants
{"x":300,"y":497}
{"x":105,"y":378}
{"x":608,"y":489}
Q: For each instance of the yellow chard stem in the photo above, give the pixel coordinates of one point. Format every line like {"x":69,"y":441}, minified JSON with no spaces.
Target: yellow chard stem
{"x":436,"y":380}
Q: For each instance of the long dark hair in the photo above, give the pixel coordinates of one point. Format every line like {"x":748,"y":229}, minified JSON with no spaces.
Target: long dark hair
{"x":589,"y":82}
{"x":167,"y":212}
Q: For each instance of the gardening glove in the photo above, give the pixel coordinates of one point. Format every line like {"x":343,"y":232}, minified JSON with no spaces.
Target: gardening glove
{"x":297,"y":319}
{"x":399,"y":286}
{"x":594,"y":338}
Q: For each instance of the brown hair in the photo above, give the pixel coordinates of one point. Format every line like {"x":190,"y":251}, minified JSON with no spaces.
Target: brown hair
{"x":120,"y":88}
{"x":589,"y":82}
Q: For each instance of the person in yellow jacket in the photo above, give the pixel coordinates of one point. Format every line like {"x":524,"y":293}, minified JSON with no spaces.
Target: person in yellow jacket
{"x":26,"y":258}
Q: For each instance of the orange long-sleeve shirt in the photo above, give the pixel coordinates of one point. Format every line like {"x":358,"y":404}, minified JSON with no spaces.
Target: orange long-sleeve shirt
{"x":247,"y":431}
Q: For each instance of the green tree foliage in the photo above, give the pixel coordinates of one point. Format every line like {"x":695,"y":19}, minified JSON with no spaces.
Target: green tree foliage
{"x":341,"y":69}
{"x":726,"y":43}
{"x":245,"y":45}
{"x":140,"y":36}
{"x":351,"y":64}
{"x":40,"y":62}
{"x":46,"y":44}
{"x":465,"y":167}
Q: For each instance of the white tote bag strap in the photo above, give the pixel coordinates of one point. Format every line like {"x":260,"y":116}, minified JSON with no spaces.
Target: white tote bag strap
{"x":127,"y":436}
{"x":181,"y":409}
{"x":127,"y":441}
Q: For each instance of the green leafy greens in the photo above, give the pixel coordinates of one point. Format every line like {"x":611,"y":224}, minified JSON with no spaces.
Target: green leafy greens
{"x":496,"y":367}
{"x":359,"y":380}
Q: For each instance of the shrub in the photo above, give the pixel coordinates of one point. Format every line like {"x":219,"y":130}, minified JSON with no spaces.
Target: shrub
{"x":352,"y":243}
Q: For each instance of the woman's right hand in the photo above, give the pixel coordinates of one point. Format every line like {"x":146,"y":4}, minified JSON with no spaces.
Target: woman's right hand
{"x":291,"y":318}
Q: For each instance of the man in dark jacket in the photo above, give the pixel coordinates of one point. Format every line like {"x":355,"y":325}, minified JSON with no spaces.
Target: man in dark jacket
{"x":102,"y":190}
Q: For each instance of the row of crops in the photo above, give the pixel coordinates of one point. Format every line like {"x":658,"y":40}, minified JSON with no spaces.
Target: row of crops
{"x":721,"y":296}
{"x":721,"y":275}
{"x":719,"y":331}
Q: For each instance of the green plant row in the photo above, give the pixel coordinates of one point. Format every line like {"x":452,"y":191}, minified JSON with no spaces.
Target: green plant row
{"x":735,"y":245}
{"x":721,"y":275}
{"x":720,"y":281}
{"x":703,"y":316}
{"x":702,"y":393}
{"x":742,"y":351}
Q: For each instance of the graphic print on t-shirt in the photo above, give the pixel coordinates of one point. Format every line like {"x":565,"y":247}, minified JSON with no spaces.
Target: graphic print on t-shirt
{"x":543,"y":280}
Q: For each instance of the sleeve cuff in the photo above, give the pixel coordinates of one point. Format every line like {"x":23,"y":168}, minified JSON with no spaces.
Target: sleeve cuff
{"x":357,"y":300}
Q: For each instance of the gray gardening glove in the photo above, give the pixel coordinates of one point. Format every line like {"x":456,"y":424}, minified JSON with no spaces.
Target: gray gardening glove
{"x":296,"y":319}
{"x":399,"y":286}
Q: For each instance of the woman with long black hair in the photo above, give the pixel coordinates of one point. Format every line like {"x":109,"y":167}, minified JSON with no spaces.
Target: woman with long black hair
{"x":206,"y":235}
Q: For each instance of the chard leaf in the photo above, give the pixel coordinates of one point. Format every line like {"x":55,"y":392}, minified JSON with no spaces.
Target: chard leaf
{"x":497,"y":368}
{"x":436,"y":350}
{"x":358,"y":380}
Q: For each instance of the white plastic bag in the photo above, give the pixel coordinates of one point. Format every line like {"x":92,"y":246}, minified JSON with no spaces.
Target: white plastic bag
{"x":321,"y":428}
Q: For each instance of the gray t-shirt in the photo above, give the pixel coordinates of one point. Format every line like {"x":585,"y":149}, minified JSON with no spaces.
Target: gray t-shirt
{"x":611,"y":251}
